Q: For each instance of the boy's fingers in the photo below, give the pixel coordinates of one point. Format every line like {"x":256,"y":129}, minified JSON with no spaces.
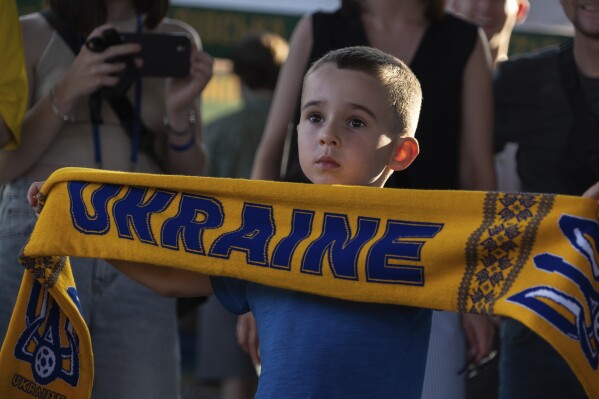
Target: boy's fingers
{"x":592,"y":192}
{"x":254,"y":348}
{"x":247,"y":336}
{"x":480,"y":332}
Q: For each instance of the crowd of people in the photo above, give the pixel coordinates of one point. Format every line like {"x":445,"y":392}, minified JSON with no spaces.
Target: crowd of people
{"x":464,"y":116}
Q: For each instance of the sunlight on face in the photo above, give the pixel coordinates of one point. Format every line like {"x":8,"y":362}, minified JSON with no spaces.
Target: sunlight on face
{"x":344,"y":132}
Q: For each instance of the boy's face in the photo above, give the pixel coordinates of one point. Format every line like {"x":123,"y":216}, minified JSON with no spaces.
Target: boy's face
{"x":344,"y":132}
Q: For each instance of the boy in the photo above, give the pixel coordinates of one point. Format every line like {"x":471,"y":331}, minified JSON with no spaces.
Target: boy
{"x":359,"y":111}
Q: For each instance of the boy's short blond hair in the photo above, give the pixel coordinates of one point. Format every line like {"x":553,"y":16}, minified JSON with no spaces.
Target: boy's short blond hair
{"x":402,"y":86}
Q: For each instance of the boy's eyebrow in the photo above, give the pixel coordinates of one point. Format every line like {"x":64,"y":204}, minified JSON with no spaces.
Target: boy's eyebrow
{"x":354,"y":105}
{"x":364,"y":108}
{"x":310,"y":103}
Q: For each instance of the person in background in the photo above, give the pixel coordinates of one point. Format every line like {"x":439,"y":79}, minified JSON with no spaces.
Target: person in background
{"x":548,"y":103}
{"x":133,"y":330}
{"x":231,"y":143}
{"x":13,"y":80}
{"x":497,"y":18}
{"x":450,"y":58}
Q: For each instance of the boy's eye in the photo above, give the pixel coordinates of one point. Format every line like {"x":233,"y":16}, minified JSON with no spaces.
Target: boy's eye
{"x":355,"y":122}
{"x":314,"y":118}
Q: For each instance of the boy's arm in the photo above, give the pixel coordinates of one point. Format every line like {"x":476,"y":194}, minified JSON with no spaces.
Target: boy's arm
{"x":166,"y":281}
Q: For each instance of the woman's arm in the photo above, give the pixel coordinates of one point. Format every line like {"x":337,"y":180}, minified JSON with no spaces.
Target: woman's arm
{"x":267,"y":163}
{"x":185,"y":153}
{"x":476,"y":170}
{"x":88,"y":73}
{"x":36,"y":35}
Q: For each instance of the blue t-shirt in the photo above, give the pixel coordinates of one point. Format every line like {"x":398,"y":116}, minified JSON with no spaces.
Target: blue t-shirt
{"x":317,"y":347}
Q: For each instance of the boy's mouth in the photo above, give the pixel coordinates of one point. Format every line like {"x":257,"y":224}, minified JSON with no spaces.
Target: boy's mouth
{"x":327,"y":162}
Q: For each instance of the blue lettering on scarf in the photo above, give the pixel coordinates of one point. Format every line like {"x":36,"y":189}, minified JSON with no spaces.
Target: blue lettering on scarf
{"x":91,"y":223}
{"x":196,"y":213}
{"x":550,"y":303}
{"x":391,"y":259}
{"x":257,"y":228}
{"x":399,"y":244}
{"x":40,"y":342}
{"x":133,"y":212}
{"x":301,"y":228}
{"x":335,"y":241}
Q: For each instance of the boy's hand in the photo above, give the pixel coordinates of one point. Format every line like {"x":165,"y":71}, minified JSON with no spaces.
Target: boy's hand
{"x":593,"y":192}
{"x":247,"y":336}
{"x":480,"y":332}
{"x":33,"y":196}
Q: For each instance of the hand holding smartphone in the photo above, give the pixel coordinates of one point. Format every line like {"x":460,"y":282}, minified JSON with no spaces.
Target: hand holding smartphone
{"x":163,"y":54}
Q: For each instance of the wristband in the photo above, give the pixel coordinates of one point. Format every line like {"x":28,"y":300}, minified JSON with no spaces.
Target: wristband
{"x":188,"y":130}
{"x":63,"y":117}
{"x":183,"y":147}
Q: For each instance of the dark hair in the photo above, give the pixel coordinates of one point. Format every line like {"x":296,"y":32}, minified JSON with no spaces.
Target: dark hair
{"x":402,"y":86}
{"x":435,"y":9}
{"x":257,"y":59}
{"x":85,"y":15}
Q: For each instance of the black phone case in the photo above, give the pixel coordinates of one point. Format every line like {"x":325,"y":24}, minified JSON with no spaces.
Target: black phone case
{"x":163,"y":54}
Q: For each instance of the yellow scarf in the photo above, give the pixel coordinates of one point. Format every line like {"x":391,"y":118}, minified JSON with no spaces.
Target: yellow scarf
{"x":529,"y":257}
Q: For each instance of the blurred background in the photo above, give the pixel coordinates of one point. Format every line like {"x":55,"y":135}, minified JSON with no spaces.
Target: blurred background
{"x":221,"y":23}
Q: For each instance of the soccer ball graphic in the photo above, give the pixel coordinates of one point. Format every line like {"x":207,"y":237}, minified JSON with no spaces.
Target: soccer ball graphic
{"x":45,"y":361}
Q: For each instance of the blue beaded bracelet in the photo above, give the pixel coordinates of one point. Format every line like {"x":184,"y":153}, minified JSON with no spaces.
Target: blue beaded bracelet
{"x":189,"y":130}
{"x":183,"y":147}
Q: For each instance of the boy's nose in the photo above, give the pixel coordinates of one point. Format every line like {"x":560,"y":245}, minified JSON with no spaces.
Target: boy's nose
{"x":328,"y":137}
{"x":329,"y":141}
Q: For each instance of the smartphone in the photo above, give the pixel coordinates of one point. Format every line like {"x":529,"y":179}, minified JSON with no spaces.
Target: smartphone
{"x":163,"y":54}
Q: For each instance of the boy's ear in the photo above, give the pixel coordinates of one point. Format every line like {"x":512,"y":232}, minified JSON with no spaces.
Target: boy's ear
{"x":406,"y":150}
